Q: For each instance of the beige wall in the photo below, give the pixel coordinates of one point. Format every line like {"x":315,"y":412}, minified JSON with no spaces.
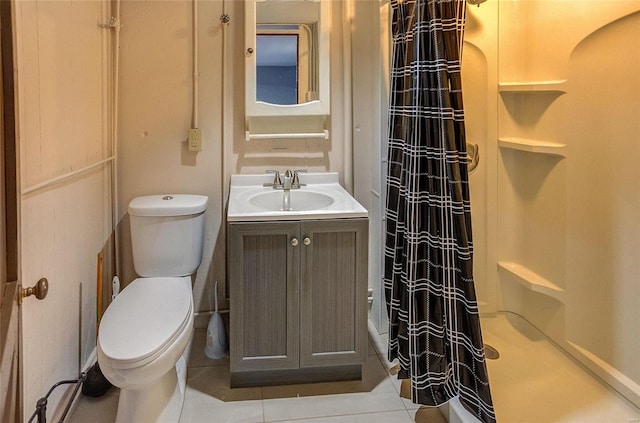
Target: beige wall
{"x":62,"y":64}
{"x":257,"y":156}
{"x":155,"y":114}
{"x":64,"y":125}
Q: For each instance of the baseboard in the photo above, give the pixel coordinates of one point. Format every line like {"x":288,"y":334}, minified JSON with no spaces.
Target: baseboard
{"x":296,"y":376}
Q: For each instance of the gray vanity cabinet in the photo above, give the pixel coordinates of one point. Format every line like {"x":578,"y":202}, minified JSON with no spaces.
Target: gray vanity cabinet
{"x":298,"y":300}
{"x":264,"y":287}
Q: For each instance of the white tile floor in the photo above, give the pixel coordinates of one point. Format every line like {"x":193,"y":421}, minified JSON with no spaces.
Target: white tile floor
{"x":532,"y":382}
{"x":209,"y":399}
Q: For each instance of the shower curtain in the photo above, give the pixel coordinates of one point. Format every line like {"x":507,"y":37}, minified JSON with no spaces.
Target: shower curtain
{"x":434,"y":328}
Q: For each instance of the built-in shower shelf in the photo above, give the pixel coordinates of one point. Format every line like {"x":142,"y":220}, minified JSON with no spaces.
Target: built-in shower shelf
{"x":555,"y":86}
{"x":533,"y":146}
{"x":531,"y":280}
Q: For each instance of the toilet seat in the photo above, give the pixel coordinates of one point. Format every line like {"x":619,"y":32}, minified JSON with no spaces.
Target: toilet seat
{"x":145,"y":320}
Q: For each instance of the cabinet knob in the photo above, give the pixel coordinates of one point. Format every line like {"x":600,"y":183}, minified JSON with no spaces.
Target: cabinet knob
{"x":307,"y":241}
{"x":294,"y":242}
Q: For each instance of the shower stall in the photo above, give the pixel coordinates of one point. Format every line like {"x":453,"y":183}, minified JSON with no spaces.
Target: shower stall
{"x":552,"y":99}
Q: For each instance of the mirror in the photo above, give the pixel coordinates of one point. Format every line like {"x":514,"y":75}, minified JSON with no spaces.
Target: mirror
{"x":287,"y":57}
{"x":285,"y":64}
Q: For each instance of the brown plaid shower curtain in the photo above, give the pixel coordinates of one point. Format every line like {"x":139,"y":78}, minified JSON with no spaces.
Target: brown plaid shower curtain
{"x":434,"y":328}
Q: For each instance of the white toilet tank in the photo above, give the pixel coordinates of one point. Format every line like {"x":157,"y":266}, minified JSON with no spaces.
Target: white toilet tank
{"x":167,"y":233}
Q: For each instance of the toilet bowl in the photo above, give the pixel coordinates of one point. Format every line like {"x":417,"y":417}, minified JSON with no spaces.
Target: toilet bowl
{"x":145,"y":331}
{"x":143,"y":335}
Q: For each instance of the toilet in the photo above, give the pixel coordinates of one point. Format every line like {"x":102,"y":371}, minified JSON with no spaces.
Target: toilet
{"x":144,"y":332}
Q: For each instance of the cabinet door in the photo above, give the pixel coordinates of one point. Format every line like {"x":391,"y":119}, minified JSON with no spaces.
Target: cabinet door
{"x":263,"y":282}
{"x":333,"y":308}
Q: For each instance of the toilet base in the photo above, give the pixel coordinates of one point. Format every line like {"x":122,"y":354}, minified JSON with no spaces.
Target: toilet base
{"x":159,"y":402}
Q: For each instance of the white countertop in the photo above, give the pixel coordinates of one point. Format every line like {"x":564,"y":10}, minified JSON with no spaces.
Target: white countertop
{"x":245,"y":188}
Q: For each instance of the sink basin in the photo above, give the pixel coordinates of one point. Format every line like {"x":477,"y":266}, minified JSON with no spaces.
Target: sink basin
{"x":321,"y":197}
{"x":299,"y":200}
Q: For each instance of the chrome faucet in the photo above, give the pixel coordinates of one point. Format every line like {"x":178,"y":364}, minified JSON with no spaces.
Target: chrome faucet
{"x":290,"y":181}
{"x":278,"y":183}
{"x":286,"y":188}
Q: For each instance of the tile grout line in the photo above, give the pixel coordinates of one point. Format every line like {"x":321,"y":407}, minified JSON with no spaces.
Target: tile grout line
{"x":264,"y":416}
{"x":383,"y":361}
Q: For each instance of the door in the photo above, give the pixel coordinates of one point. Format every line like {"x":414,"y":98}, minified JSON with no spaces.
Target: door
{"x":333,"y":292}
{"x":263,"y":284}
{"x":9,"y":399}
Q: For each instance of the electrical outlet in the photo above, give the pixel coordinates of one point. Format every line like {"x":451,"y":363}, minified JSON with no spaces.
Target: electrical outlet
{"x":195,"y":139}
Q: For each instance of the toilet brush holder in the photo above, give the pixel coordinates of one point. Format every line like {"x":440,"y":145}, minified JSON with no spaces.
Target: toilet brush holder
{"x":217,"y":344}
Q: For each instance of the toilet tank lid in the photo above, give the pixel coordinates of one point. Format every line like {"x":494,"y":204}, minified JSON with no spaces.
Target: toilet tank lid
{"x":168,"y":205}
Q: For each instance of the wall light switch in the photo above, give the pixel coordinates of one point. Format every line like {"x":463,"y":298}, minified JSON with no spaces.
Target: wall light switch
{"x":195,"y":139}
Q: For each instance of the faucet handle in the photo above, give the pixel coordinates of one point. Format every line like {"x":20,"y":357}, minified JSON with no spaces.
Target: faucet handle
{"x":276,"y":177}
{"x":296,"y":178}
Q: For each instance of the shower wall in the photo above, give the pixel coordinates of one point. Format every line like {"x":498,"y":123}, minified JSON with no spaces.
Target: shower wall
{"x":568,"y":182}
{"x":480,"y":82}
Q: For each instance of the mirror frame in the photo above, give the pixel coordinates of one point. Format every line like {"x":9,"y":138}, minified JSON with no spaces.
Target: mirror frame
{"x":320,"y":107}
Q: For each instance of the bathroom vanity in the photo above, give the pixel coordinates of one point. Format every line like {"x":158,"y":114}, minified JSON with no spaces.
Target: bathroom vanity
{"x":298,"y":282}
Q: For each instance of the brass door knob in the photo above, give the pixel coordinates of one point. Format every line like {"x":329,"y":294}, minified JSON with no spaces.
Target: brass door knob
{"x":40,"y":290}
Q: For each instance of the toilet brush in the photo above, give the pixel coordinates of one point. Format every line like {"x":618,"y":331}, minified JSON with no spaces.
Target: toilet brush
{"x":95,"y":384}
{"x":216,"y":336}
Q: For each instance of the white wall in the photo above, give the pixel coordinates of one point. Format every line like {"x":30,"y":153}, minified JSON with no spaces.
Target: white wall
{"x":369,"y":48}
{"x":603,"y":238}
{"x":479,"y":86}
{"x":62,"y":123}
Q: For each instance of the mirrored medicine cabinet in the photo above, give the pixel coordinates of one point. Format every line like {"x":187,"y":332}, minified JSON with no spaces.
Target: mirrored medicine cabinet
{"x":287,"y":60}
